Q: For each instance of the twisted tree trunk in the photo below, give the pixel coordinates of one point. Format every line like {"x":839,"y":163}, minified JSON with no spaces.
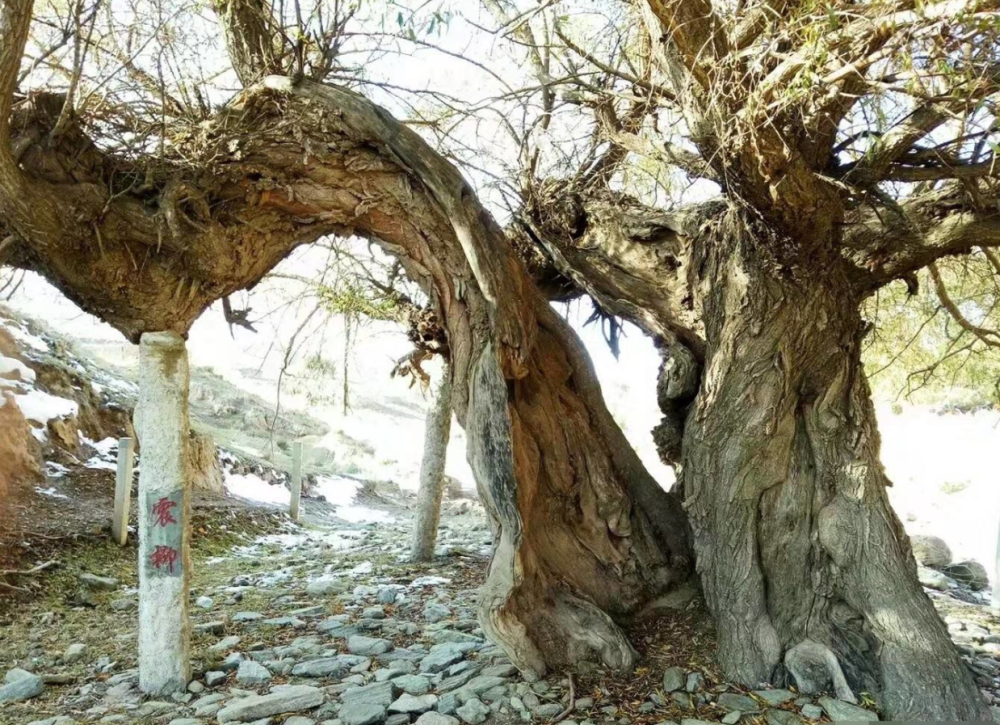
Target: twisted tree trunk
{"x":437,"y":430}
{"x":794,"y":536}
{"x":771,"y":424}
{"x":584,"y":534}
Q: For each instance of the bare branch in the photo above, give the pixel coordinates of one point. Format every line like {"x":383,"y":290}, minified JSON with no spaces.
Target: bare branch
{"x":985,"y":335}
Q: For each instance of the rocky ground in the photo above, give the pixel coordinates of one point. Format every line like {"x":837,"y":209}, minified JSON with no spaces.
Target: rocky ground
{"x":327,"y":623}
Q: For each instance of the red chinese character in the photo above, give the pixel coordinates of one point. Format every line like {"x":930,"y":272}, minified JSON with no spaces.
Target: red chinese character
{"x":162,"y":512}
{"x":164,"y":556}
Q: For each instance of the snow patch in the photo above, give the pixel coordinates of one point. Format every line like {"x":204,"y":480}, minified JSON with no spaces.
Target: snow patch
{"x":255,"y":488}
{"x":106,"y":458}
{"x":55,"y":470}
{"x":23,"y":336}
{"x":10,"y":365}
{"x":340,"y":492}
{"x":39,"y":407}
{"x":429,"y":581}
{"x":51,"y":491}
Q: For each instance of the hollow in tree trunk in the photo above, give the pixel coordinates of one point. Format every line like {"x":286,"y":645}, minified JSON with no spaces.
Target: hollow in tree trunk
{"x":437,"y":431}
{"x":794,"y":536}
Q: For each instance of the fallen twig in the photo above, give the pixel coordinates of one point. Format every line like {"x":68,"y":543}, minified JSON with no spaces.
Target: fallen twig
{"x":28,"y":572}
{"x":572,"y":702}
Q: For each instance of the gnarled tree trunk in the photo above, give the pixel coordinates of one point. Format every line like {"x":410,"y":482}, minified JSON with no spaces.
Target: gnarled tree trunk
{"x":584,"y":534}
{"x":771,"y":424}
{"x":794,"y":536}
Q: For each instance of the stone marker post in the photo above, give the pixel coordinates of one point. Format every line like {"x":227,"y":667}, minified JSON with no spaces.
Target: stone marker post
{"x":296,"y":480}
{"x":123,"y":491}
{"x":161,"y":421}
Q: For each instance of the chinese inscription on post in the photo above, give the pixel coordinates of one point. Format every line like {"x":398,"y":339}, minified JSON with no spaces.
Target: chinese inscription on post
{"x":164,"y":531}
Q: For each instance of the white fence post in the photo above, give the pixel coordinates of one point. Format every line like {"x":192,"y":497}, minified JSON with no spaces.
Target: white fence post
{"x":296,"y":479}
{"x":123,"y":491}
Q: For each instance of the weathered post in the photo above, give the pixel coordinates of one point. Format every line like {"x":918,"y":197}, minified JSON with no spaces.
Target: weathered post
{"x":296,"y":479}
{"x":995,"y":598}
{"x":161,"y":421}
{"x":123,"y":491}
{"x":437,"y":430}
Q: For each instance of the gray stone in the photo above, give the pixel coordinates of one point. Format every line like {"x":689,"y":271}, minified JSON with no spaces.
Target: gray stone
{"x":325,"y":667}
{"x":214,"y":677}
{"x":360,"y":713}
{"x":214,"y":627}
{"x":204,"y":602}
{"x":225,"y":644}
{"x":435,"y":612}
{"x":208,"y":705}
{"x":367,"y":646}
{"x":373,"y":613}
{"x":783,"y":717}
{"x":814,"y":668}
{"x":741,"y":703}
{"x":400,"y":718}
{"x":21,"y":685}
{"x":551,"y":710}
{"x":774,"y":697}
{"x":437,"y":661}
{"x":444,"y":636}
{"x":93,"y":581}
{"x":299,"y":720}
{"x":436,"y":718}
{"x":935,"y":580}
{"x":413,"y":704}
{"x":969,"y":573}
{"x":473,"y":712}
{"x":252,"y":673}
{"x":186,"y":721}
{"x":324,"y":586}
{"x":695,"y":681}
{"x":930,"y":551}
{"x":380,"y":693}
{"x":281,"y":699}
{"x":293,"y":622}
{"x":413,"y":684}
{"x":75,"y":653}
{"x":674,"y":679}
{"x":231,"y":662}
{"x":840,"y":711}
{"x":732,"y":718}
{"x":813,"y":712}
{"x":247,"y":616}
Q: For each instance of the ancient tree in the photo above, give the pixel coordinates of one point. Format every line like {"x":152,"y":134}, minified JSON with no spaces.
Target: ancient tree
{"x":850,"y":146}
{"x":147,"y":241}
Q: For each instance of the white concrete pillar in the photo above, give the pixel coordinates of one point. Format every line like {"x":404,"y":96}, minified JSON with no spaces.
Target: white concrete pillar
{"x":296,"y":480}
{"x":123,"y":491}
{"x":161,"y":421}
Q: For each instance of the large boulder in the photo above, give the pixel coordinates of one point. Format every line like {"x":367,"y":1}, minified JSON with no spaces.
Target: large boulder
{"x":969,"y":573}
{"x":930,"y":551}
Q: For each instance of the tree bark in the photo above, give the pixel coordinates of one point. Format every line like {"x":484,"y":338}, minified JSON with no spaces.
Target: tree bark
{"x":437,"y":431}
{"x":794,"y":536}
